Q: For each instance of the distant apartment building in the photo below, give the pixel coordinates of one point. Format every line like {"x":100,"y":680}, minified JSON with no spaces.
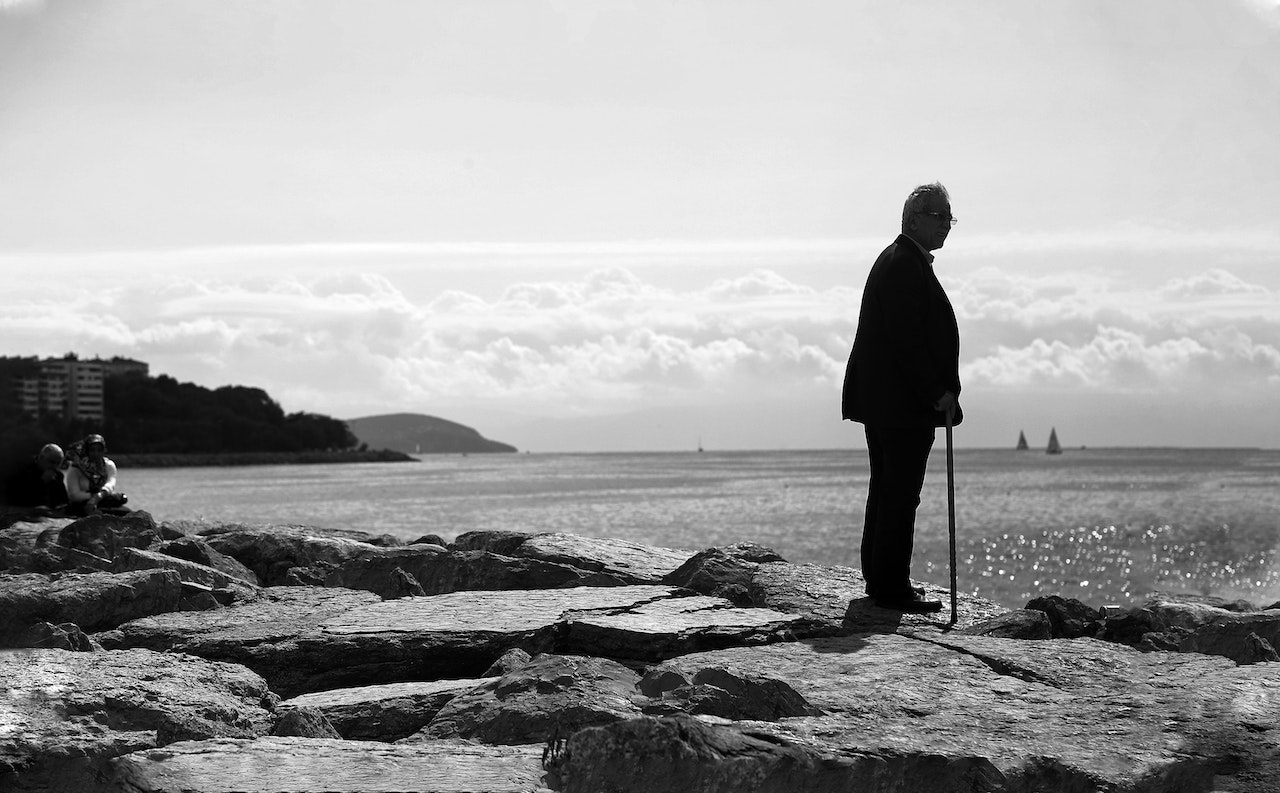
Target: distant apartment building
{"x":72,"y":387}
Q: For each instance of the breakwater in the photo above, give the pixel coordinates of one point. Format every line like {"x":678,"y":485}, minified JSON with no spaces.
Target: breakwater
{"x":204,"y":657}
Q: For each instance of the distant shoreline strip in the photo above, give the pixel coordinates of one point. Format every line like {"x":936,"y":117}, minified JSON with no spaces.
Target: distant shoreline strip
{"x":221,"y":459}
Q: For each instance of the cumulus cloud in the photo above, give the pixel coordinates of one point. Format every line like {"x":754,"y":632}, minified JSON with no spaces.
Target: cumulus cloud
{"x":1208,"y":333}
{"x":612,"y":341}
{"x":1213,"y":283}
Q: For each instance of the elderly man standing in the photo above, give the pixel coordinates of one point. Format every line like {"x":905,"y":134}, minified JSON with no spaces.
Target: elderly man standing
{"x":901,"y":382}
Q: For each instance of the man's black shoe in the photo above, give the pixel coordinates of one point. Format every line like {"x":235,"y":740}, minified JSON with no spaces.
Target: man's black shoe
{"x":919,"y":590}
{"x":913,"y":603}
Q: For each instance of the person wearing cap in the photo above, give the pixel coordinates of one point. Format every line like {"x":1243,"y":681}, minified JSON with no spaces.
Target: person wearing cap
{"x":91,"y":479}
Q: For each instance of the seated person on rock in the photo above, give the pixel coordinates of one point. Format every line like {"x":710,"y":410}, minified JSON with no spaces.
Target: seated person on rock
{"x":53,"y":467}
{"x":91,"y":480}
{"x":38,"y":480}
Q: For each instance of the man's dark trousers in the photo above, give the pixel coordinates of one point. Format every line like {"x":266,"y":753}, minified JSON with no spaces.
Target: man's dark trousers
{"x":899,"y":456}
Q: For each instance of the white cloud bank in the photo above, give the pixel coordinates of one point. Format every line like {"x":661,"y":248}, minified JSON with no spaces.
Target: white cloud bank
{"x":611,"y":343}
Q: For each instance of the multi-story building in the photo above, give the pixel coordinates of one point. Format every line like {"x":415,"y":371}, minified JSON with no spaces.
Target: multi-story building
{"x":72,"y":387}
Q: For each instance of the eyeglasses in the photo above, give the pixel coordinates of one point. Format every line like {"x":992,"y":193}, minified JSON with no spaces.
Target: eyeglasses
{"x":943,"y":216}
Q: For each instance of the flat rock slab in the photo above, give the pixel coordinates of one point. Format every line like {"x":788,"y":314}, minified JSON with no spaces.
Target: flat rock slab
{"x":674,"y":626}
{"x":964,"y":713}
{"x":305,"y":639}
{"x":383,"y":713}
{"x":438,"y":571}
{"x":62,"y":713}
{"x":319,"y":765}
{"x":276,"y":635}
{"x":93,"y":601}
{"x":516,"y":613}
{"x":628,"y":561}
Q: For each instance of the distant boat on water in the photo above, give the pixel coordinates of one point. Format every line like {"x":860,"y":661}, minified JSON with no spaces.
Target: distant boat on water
{"x":1022,"y":441}
{"x":699,"y":444}
{"x":1054,"y":446}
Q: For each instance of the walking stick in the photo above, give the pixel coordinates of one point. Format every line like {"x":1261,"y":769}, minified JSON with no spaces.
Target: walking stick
{"x":951,"y":513}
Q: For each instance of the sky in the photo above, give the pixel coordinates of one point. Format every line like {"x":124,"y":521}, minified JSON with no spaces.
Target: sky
{"x":598,"y":225}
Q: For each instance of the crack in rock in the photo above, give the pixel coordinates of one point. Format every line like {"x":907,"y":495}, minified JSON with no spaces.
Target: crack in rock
{"x":998,"y":665}
{"x":617,"y":611}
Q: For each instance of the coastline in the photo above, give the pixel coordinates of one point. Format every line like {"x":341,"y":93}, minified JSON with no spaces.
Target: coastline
{"x":235,"y":459}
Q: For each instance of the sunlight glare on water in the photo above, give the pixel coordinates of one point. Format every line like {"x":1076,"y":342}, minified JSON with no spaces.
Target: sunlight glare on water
{"x":1109,"y":525}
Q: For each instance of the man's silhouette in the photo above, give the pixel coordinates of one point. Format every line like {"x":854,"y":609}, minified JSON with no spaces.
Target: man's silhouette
{"x":902,"y":379}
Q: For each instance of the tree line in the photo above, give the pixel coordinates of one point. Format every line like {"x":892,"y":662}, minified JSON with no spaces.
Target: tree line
{"x":159,"y":415}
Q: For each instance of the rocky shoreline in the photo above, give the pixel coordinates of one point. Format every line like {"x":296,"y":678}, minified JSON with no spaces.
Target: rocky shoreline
{"x":226,"y":657}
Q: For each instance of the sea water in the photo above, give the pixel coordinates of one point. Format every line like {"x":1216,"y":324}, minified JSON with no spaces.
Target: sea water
{"x":1103,"y":525}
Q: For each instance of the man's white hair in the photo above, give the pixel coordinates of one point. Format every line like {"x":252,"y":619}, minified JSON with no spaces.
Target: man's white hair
{"x":919,"y":199}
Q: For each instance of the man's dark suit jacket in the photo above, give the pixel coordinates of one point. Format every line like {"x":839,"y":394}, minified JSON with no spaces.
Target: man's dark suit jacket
{"x":906,"y":354}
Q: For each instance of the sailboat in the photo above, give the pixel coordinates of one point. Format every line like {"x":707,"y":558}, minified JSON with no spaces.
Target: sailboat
{"x":699,"y":444}
{"x":1054,"y":446}
{"x":1022,"y":441}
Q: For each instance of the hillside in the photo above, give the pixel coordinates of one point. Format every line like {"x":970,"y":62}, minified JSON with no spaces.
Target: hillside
{"x":415,"y":433}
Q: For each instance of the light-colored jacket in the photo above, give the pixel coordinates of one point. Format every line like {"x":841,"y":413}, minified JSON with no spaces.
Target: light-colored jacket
{"x":78,"y":484}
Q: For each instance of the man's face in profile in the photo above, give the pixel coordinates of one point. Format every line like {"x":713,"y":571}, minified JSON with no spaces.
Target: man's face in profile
{"x":933,"y":223}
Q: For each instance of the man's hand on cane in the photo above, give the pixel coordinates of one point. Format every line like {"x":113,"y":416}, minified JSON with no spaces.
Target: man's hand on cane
{"x":946,"y":403}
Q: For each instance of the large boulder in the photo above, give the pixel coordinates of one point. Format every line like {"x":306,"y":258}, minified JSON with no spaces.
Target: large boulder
{"x":382,"y":713}
{"x":312,"y":765}
{"x":20,"y":540}
{"x":195,"y":549}
{"x":93,"y":601}
{"x":552,"y":696}
{"x":437,"y":571}
{"x":132,"y":559}
{"x":102,"y":536}
{"x":272,"y":551}
{"x":304,"y":723}
{"x":493,"y":541}
{"x":47,"y":636}
{"x":718,"y":572}
{"x":1227,"y":604}
{"x":64,"y":714}
{"x":628,"y":562}
{"x":1068,"y":617}
{"x":1017,"y":624}
{"x":1245,"y":636}
{"x":926,"y":709}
